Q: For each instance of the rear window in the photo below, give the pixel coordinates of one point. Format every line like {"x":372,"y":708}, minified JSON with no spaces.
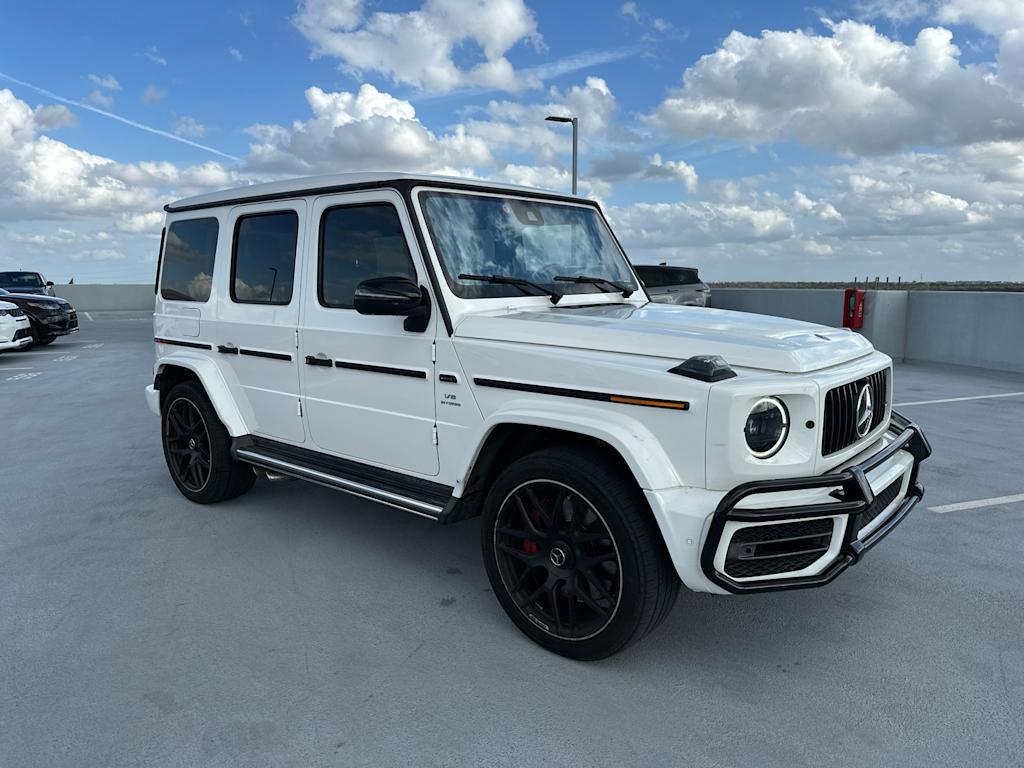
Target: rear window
{"x":662,"y":277}
{"x":12,"y":281}
{"x":263,"y":266}
{"x":188,"y":260}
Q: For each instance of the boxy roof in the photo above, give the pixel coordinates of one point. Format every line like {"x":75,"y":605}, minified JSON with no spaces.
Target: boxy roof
{"x":312,"y":184}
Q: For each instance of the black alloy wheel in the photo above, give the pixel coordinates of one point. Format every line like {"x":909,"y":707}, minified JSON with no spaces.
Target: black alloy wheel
{"x":197,"y":448}
{"x":188,"y":443}
{"x":558,"y":560}
{"x":573,"y":552}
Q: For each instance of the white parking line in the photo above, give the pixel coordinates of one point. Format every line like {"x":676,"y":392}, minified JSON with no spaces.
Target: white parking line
{"x":34,"y":352}
{"x":5,"y":369}
{"x":88,"y":316}
{"x":958,"y":399}
{"x":977,"y":504}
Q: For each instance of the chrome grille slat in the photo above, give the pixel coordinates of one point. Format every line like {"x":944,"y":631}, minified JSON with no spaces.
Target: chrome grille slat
{"x":839,"y":429}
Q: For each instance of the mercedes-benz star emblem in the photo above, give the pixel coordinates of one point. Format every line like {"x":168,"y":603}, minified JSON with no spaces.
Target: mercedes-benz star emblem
{"x":558,"y":557}
{"x":865,"y":411}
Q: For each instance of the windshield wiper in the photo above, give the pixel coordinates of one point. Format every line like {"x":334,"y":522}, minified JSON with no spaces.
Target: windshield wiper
{"x":625,"y":290}
{"x":522,"y":285}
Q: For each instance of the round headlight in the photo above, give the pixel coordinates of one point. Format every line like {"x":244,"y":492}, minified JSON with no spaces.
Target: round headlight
{"x":767,"y":427}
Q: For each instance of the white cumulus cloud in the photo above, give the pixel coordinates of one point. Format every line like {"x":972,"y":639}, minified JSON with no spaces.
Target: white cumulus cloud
{"x":366,"y":130}
{"x":418,"y":47}
{"x":853,"y":90}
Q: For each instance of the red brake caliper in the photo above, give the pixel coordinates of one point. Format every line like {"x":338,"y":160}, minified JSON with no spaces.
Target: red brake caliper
{"x":530,"y":547}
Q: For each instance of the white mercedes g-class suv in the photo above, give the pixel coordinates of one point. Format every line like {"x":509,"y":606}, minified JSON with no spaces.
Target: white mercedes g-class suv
{"x":457,"y":348}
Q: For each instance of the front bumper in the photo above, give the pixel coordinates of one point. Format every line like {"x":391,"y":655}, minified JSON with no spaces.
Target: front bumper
{"x":59,"y":323}
{"x":17,"y":336}
{"x":845,"y":514}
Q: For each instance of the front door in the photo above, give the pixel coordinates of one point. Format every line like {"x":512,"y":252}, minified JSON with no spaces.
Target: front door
{"x":259,"y":316}
{"x":368,"y":384}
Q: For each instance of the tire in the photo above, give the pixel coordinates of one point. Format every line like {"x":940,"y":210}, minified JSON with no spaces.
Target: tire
{"x":46,"y":340}
{"x":197,"y":448}
{"x":588,"y":580}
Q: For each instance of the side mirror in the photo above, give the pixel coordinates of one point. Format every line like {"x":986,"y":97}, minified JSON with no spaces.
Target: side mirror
{"x":49,"y":283}
{"x":394,"y":296}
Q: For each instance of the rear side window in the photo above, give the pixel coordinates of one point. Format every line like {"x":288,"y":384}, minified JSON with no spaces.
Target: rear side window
{"x":661,"y":277}
{"x":358,"y":242}
{"x":263,"y":261}
{"x":188,"y":260}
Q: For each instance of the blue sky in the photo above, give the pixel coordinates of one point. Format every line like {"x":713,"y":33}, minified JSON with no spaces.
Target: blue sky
{"x":755,"y":140}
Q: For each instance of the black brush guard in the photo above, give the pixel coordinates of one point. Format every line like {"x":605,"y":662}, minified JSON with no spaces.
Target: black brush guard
{"x":854,"y":497}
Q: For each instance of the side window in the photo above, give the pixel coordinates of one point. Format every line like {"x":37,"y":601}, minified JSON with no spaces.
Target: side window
{"x":188,"y":260}
{"x":653,"y":277}
{"x":358,"y":242}
{"x":263,"y":258}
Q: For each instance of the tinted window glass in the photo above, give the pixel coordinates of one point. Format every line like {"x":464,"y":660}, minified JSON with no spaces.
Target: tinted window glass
{"x":263,"y":266}
{"x":660,"y":277}
{"x":358,"y":242}
{"x":15,"y":280}
{"x":188,"y":260}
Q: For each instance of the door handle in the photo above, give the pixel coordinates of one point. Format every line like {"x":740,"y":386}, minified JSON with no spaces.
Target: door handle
{"x":325,"y":362}
{"x":227,"y":349}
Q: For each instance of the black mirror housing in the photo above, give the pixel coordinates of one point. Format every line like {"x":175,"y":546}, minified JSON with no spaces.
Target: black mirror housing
{"x":394,"y":296}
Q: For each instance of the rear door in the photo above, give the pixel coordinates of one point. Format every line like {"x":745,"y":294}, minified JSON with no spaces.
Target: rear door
{"x":368,"y":384}
{"x":258,"y":315}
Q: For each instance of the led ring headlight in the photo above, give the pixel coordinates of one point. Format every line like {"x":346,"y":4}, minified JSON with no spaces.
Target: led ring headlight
{"x":767,"y":427}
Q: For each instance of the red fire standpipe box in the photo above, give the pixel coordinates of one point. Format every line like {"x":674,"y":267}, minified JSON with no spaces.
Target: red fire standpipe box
{"x":853,"y":308}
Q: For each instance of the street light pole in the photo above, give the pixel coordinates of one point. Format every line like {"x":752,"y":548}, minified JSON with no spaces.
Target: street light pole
{"x":575,"y":141}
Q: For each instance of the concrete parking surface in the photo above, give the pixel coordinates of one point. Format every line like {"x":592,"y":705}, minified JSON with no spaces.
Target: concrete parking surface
{"x":297,"y":626}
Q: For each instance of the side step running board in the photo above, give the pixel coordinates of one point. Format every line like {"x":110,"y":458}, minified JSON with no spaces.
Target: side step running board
{"x":421,"y":497}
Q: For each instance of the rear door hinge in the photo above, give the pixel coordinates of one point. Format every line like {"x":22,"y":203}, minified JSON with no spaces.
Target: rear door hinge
{"x":433,"y":351}
{"x":296,"y":338}
{"x":435,"y":434}
{"x":299,"y":408}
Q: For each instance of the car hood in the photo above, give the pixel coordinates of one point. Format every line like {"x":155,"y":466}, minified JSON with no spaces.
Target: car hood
{"x":675,"y":332}
{"x":29,"y":291}
{"x":55,"y":301}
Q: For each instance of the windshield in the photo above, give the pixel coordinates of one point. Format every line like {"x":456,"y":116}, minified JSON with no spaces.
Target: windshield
{"x":14,"y":280}
{"x":523,"y":239}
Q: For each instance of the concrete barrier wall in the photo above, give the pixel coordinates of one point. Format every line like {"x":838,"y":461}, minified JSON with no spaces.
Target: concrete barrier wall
{"x":99,"y":298}
{"x":983,"y":330}
{"x":824,"y":307}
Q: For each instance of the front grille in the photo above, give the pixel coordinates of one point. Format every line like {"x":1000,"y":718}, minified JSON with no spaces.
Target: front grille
{"x":882,"y":500}
{"x":839,"y":429}
{"x":21,"y":333}
{"x":765,"y":550}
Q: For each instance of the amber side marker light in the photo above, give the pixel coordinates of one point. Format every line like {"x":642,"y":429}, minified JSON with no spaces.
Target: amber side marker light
{"x":670,"y":404}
